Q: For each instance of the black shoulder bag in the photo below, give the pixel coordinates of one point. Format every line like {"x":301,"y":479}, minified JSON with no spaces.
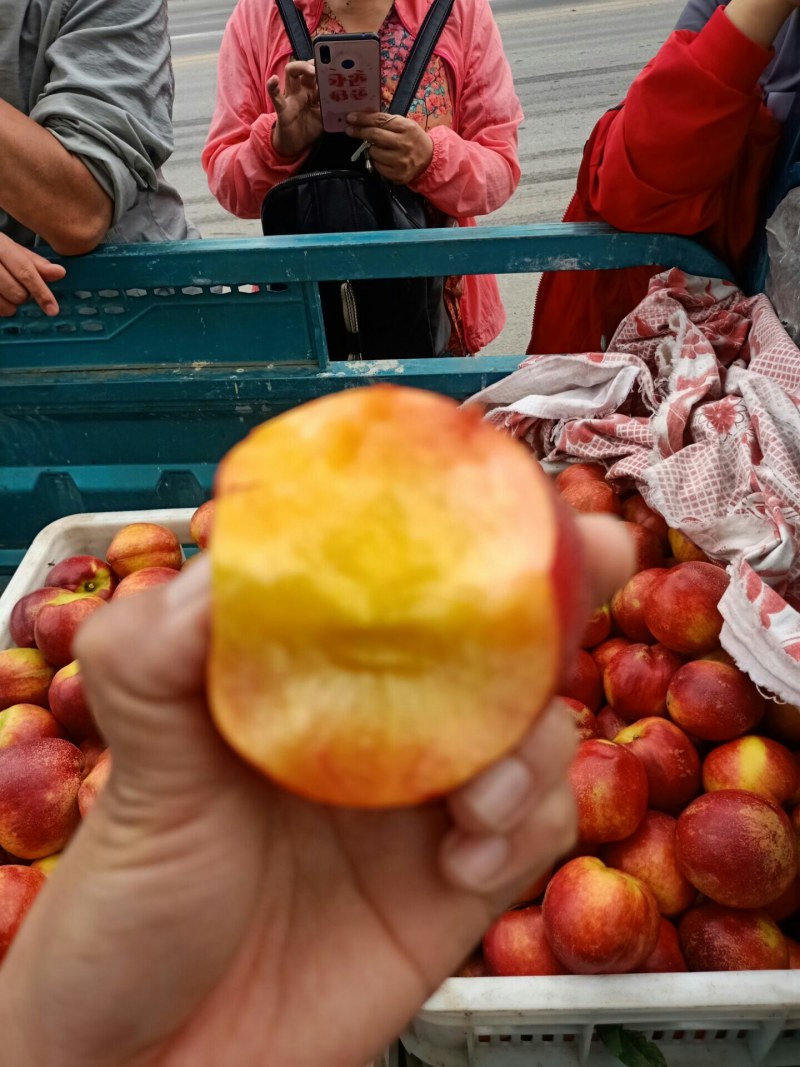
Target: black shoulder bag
{"x":393,"y":318}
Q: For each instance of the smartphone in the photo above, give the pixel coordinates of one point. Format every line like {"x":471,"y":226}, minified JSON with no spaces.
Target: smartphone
{"x":348,"y":75}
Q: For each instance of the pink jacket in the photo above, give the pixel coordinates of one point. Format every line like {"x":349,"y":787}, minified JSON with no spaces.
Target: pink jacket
{"x":474,"y":168}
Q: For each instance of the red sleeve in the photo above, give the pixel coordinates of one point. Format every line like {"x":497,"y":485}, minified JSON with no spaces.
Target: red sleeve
{"x":666,"y":155}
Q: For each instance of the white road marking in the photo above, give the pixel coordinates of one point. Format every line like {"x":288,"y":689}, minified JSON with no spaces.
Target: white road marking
{"x":196,"y":36}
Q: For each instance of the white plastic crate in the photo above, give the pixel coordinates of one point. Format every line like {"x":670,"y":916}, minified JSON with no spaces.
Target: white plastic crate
{"x":740,"y":1019}
{"x":78,"y":535}
{"x":731,"y":1019}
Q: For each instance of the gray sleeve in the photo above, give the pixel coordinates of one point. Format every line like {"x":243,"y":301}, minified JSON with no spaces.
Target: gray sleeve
{"x":109,"y":94}
{"x":697,"y":13}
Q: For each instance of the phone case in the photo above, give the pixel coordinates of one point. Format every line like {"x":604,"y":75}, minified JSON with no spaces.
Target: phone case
{"x":348,"y":69}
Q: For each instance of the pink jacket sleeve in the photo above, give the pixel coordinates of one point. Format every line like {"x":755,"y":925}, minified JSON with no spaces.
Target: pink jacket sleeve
{"x":475,"y":168}
{"x":241,"y":164}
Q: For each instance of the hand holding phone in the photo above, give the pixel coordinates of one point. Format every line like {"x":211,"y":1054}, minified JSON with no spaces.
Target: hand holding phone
{"x":348,"y":67}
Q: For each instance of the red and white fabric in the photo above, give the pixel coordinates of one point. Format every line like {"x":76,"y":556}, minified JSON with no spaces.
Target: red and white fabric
{"x":697,"y":404}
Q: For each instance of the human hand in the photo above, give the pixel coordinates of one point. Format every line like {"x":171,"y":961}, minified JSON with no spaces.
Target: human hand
{"x":399,"y":148}
{"x":24,"y":276}
{"x":299,"y":122}
{"x":203,"y":914}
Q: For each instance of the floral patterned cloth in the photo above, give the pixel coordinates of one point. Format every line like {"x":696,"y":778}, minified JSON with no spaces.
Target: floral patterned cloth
{"x":432,"y":106}
{"x":697,"y":404}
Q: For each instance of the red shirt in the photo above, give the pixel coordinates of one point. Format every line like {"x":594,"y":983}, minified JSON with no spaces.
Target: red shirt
{"x":688,"y":153}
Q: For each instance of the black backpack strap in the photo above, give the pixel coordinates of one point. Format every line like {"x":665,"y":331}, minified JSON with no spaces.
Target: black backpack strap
{"x":418,"y":58}
{"x":296,"y":30}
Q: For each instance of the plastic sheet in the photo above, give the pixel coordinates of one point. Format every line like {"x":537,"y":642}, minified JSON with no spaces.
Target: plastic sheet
{"x":783,"y":280}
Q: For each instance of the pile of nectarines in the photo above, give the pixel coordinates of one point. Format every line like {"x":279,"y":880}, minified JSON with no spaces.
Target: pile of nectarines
{"x":389,"y":616}
{"x":687,"y":783}
{"x":53,"y":761}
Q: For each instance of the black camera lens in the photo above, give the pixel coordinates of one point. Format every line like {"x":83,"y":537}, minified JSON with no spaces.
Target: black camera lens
{"x":324,"y":54}
{"x":348,"y":64}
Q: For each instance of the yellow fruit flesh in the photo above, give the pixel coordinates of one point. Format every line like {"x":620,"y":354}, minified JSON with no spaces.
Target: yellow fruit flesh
{"x":384,"y":618}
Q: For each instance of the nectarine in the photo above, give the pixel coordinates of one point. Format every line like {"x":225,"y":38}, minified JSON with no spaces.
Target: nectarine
{"x":395,"y":589}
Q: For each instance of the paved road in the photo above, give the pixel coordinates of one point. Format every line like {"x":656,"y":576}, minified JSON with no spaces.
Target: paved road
{"x":571,"y":59}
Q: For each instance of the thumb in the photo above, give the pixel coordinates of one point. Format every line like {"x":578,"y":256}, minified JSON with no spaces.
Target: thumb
{"x":143,"y":663}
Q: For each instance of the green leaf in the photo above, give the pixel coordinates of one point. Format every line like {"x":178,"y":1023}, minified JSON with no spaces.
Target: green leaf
{"x":630,"y":1047}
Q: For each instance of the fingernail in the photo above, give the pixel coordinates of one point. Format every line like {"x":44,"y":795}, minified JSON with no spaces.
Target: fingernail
{"x":51,"y":308}
{"x":351,"y":117}
{"x":474,"y":861}
{"x":189,"y":584}
{"x":497,"y":794}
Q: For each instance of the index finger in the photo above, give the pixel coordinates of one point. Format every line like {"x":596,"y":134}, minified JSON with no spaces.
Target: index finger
{"x":28,"y":276}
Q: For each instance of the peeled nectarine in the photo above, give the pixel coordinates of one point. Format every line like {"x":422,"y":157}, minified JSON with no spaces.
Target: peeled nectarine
{"x":395,"y":589}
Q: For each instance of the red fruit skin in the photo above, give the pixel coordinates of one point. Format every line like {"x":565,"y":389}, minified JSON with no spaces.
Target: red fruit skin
{"x":516,"y":944}
{"x":84,"y":574}
{"x":794,"y":953}
{"x":610,"y":787}
{"x":597,"y":920}
{"x":202,"y":523}
{"x":598,"y":628}
{"x":143,"y":579}
{"x":578,"y":472}
{"x":609,"y":723}
{"x":94,"y":783}
{"x":627,"y":604}
{"x":649,"y":854}
{"x":670,"y":761}
{"x":635,"y":509}
{"x":681,"y":609}
{"x":585,"y":720}
{"x":39,"y":783}
{"x":19,"y":887}
{"x":755,"y":764}
{"x":605,"y":652}
{"x":25,"y":677}
{"x":666,"y":957}
{"x":58,"y":623}
{"x":715,"y":938}
{"x":581,"y":681}
{"x":737,"y":848}
{"x":25,"y":613}
{"x":144,"y":544}
{"x":92,"y":749}
{"x":27,"y":722}
{"x":713,"y":701}
{"x":591,"y":497}
{"x":649,"y":552}
{"x":637,"y":679}
{"x":787,"y":903}
{"x":69,"y":705}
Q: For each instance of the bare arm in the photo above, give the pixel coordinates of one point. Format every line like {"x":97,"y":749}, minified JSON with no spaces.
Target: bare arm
{"x":760,"y":20}
{"x":48,"y":189}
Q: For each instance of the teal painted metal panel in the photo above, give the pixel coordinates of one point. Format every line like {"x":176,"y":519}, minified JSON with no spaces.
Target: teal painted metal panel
{"x":165,"y":355}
